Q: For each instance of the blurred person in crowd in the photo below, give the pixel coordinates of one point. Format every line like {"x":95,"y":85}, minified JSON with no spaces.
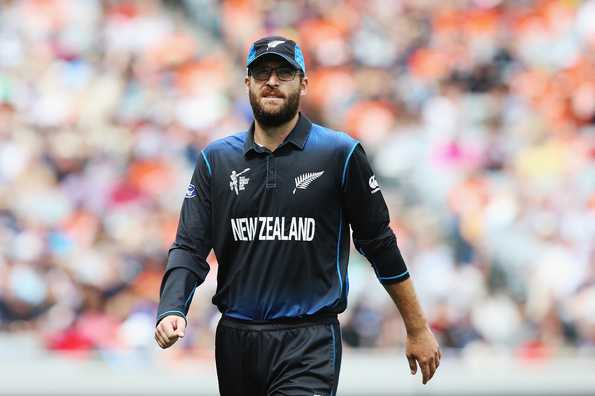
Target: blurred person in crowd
{"x":276,"y":204}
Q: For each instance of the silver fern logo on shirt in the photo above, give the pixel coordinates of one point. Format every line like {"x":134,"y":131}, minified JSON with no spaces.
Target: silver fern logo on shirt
{"x":303,"y":181}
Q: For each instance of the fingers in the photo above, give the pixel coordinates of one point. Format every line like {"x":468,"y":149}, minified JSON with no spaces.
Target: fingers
{"x":169,"y":330}
{"x":425,"y":371}
{"x":423,"y":350}
{"x":167,"y":327}
{"x":412,"y":364}
{"x":432,"y":365}
{"x":160,"y":340}
{"x":164,"y":340}
{"x":179,"y":324}
{"x":427,"y":366}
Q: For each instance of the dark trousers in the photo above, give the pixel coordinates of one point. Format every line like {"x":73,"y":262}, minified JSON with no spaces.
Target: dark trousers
{"x":291,"y":357}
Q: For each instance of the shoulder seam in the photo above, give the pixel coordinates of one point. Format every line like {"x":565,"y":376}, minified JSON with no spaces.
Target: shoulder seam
{"x":346,"y":165}
{"x":224,"y":139}
{"x":202,"y":152}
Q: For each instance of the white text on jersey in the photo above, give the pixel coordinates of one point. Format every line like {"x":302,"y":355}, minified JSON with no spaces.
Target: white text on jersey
{"x":273,"y":228}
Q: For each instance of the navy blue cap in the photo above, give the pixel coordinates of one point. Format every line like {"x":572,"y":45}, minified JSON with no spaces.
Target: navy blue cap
{"x":277,"y":45}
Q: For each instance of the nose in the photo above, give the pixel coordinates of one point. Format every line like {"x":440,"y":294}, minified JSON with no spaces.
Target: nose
{"x":273,"y":79}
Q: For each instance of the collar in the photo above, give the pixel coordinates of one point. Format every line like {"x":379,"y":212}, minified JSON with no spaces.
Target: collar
{"x":298,"y":135}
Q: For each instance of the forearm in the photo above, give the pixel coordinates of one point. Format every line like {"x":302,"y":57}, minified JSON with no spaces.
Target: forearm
{"x":384,"y":255}
{"x":177,"y":290}
{"x":404,"y":297}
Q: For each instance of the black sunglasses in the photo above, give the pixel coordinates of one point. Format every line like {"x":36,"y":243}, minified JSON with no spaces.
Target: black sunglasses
{"x":284,"y":73}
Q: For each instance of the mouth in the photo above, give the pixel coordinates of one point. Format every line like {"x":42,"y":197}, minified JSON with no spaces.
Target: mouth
{"x":272,"y":100}
{"x":272,"y":95}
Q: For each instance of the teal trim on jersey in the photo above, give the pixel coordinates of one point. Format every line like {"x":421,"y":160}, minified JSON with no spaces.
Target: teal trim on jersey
{"x":381,"y":278}
{"x":339,"y":253}
{"x":206,"y":162}
{"x":172,"y":312}
{"x":393,"y":277}
{"x":334,"y":360}
{"x":347,"y":163}
{"x":189,"y":299}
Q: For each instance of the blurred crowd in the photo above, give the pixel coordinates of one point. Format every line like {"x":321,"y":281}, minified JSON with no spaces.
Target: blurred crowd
{"x":478,"y":116}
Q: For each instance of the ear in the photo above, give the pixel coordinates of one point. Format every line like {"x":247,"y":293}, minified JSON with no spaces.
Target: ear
{"x":247,"y":83}
{"x":304,"y":86}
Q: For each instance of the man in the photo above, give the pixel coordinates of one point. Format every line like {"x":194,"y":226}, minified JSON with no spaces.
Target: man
{"x":276,"y":203}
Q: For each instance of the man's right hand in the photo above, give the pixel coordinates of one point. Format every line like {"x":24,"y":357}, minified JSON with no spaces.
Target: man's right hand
{"x":169,"y":330}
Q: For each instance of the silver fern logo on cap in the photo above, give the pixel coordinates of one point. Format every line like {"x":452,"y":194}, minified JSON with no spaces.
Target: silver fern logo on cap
{"x":303,"y":181}
{"x":275,"y":43}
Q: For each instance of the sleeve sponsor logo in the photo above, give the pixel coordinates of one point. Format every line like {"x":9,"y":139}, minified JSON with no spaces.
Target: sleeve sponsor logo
{"x":374,"y":187}
{"x":190,"y":191}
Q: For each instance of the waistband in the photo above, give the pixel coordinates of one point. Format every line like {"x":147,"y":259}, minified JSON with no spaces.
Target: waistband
{"x":279,"y":324}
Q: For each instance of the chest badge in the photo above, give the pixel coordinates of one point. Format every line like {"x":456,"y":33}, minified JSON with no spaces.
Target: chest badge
{"x":303,"y":181}
{"x":238,"y":182}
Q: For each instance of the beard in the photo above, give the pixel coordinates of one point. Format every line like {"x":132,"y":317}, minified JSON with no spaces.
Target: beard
{"x":276,"y":117}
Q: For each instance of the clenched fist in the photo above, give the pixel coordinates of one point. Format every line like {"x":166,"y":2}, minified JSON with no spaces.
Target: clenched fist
{"x":169,"y":330}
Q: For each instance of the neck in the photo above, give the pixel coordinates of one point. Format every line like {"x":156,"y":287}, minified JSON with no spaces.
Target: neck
{"x":272,"y":137}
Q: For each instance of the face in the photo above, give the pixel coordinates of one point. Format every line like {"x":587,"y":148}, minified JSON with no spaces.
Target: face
{"x":274,"y":101}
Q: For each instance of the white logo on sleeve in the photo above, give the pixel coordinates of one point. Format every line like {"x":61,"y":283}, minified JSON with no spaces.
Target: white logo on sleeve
{"x":275,"y":43}
{"x":190,"y":191}
{"x":303,"y":181}
{"x":373,"y":184}
{"x":238,"y":182}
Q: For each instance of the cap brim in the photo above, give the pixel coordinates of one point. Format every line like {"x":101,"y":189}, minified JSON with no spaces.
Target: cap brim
{"x":287,"y":58}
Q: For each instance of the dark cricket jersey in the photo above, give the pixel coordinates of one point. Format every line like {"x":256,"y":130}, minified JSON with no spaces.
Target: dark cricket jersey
{"x":279,"y":223}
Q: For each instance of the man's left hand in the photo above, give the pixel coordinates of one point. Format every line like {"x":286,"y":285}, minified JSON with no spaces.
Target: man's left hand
{"x":422,"y":348}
